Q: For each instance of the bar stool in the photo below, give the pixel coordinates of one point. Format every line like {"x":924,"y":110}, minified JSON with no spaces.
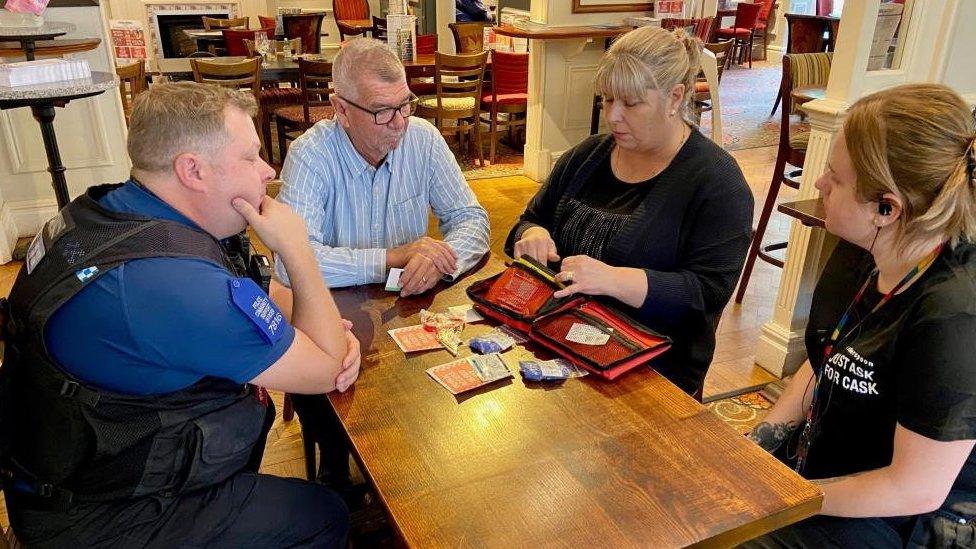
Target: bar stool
{"x":801,"y":69}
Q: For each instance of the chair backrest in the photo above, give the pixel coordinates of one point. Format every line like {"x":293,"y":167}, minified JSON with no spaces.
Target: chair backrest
{"x":234,"y":39}
{"x":132,"y":80}
{"x":315,"y":80}
{"x":457,"y":77}
{"x":197,"y":54}
{"x":307,"y":26}
{"x":722,"y":51}
{"x":241,"y":74}
{"x":379,"y":28}
{"x":806,"y":34}
{"x":469,"y":36}
{"x":764,"y":11}
{"x":510,"y":72}
{"x":267,"y":22}
{"x":211,"y":23}
{"x":350,"y":9}
{"x":426,"y":43}
{"x":802,"y":69}
{"x":746,"y":15}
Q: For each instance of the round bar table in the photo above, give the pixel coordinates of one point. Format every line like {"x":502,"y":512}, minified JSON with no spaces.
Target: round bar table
{"x":42,"y":100}
{"x":27,"y":36}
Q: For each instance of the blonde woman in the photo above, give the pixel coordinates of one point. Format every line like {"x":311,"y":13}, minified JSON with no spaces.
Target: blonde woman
{"x":883,"y":414}
{"x":653,"y":216}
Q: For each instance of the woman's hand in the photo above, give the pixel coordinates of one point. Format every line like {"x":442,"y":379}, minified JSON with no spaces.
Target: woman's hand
{"x":586,"y":275}
{"x":537,"y":243}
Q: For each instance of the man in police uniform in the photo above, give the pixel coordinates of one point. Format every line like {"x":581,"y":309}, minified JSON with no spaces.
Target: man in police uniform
{"x":129,"y":418}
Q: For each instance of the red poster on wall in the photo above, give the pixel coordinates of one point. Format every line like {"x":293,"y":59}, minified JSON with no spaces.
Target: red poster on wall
{"x":128,"y":39}
{"x":669,"y":8}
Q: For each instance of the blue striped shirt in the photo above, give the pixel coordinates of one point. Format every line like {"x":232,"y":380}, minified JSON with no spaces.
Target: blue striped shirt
{"x":355,"y":212}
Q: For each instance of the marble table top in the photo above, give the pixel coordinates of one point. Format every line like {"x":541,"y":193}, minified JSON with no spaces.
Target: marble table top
{"x":51,"y":28}
{"x":99,"y":82}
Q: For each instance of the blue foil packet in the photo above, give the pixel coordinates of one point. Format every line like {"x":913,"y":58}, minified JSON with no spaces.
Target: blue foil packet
{"x":545,"y":370}
{"x":494,"y":341}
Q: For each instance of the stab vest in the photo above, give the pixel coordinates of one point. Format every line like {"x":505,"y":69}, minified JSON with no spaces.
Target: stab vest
{"x":67,"y":441}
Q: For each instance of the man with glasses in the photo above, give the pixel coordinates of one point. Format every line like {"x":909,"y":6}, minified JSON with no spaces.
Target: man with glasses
{"x":365,"y":183}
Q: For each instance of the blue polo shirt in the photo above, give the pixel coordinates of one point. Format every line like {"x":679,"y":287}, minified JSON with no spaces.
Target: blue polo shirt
{"x":158,"y":325}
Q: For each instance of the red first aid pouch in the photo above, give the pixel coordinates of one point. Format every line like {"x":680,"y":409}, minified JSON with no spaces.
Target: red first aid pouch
{"x":521,"y":297}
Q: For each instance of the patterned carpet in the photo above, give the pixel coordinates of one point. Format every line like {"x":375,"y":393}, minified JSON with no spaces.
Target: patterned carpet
{"x":508,"y":161}
{"x":742,"y":412}
{"x":747,"y":97}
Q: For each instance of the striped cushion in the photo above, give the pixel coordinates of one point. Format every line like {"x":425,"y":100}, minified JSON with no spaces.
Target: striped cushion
{"x":448,"y":103}
{"x":809,"y":69}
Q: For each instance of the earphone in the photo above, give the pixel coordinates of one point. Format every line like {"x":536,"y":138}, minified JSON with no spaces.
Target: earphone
{"x":884,"y":208}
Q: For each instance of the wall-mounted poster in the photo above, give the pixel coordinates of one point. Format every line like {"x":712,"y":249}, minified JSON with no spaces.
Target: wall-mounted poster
{"x":128,"y":39}
{"x":597,"y":6}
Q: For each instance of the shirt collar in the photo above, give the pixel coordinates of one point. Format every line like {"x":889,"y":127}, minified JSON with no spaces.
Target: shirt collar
{"x":135,"y":199}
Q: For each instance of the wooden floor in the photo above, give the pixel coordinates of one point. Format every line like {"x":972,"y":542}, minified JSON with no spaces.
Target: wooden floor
{"x":732,"y":370}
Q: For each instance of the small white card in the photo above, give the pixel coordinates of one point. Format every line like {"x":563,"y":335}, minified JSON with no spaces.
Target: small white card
{"x":470,"y":315}
{"x":393,"y":280}
{"x":587,"y":335}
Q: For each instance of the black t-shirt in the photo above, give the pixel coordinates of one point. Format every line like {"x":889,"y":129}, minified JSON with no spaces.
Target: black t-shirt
{"x":913,"y":362}
{"x":605,"y":192}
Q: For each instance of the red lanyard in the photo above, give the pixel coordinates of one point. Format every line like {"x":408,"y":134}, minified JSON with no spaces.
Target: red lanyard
{"x":807,"y":435}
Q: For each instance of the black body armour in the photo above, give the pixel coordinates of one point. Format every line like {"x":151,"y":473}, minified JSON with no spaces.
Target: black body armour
{"x":65,"y":441}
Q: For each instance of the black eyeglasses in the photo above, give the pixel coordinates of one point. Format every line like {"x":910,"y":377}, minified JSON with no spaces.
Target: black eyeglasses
{"x":384,"y":116}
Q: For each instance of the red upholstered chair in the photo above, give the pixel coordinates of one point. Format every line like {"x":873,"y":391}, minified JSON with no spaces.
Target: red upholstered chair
{"x":234,"y":39}
{"x":345,"y":10}
{"x":743,"y":30}
{"x":419,"y":82}
{"x":267,"y":22}
{"x":307,"y":26}
{"x":763,"y":23}
{"x":509,"y":94}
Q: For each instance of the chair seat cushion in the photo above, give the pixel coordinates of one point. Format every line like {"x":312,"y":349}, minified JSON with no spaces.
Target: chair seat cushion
{"x":296,"y":114}
{"x":733,"y":32}
{"x":799,"y":137}
{"x":448,"y":103}
{"x":280,"y":96}
{"x":507,"y":98}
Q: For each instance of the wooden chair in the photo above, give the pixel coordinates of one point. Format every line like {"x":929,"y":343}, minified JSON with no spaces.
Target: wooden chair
{"x":419,"y":79}
{"x":348,"y":10}
{"x":307,"y":26}
{"x":244,"y":74}
{"x":799,"y":69}
{"x":723,"y":55}
{"x":379,"y":28}
{"x":458,"y":80}
{"x":743,"y":30}
{"x":213,"y":23}
{"x":469,"y":36}
{"x":315,"y":84}
{"x":132,"y":80}
{"x":765,"y":23}
{"x":234,"y":39}
{"x":806,"y":34}
{"x":509,"y":94}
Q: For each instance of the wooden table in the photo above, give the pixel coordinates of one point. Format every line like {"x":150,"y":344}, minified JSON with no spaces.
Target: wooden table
{"x":635,"y":462}
{"x":810,"y":212}
{"x":29,"y":36}
{"x":53,"y":48}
